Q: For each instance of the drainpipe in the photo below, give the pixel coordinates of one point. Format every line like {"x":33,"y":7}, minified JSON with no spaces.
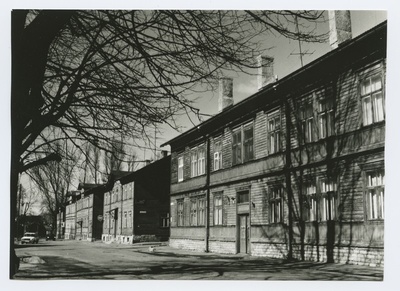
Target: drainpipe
{"x":207,"y":186}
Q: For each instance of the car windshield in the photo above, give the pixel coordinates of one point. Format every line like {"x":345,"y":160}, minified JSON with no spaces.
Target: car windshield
{"x":29,"y":234}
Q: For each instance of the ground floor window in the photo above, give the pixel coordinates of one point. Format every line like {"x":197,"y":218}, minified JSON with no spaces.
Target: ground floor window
{"x":180,"y":212}
{"x":375,"y":194}
{"x":275,"y":204}
{"x":218,"y":209}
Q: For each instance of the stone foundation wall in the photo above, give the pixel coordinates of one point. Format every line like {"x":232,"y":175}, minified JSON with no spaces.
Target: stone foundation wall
{"x":187,"y":244}
{"x":222,"y":247}
{"x":272,"y":250}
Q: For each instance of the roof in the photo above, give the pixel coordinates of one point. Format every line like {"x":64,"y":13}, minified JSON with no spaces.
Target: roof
{"x":371,"y":43}
{"x":156,"y":165}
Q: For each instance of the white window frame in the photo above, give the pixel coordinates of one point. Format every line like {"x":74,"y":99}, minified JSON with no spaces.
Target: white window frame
{"x":372,"y":113}
{"x":180,"y":169}
{"x":375,"y":194}
{"x":193,"y":162}
{"x":218,"y":209}
{"x":274,"y":133}
{"x":217,"y":158}
{"x":201,"y":163}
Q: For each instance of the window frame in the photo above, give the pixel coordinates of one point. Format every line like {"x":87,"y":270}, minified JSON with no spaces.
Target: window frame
{"x":307,"y":119}
{"x":217,"y":155}
{"x":180,"y":212}
{"x":180,"y":169}
{"x":193,"y":212}
{"x":275,"y":203}
{"x":310,"y":196}
{"x":239,"y":146}
{"x":218,"y":209}
{"x":369,"y":75}
{"x":329,"y":213}
{"x":327,"y":110}
{"x":276,"y":132}
{"x":380,"y":201}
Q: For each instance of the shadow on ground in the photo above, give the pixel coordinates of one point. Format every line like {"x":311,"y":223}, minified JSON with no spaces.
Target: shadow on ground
{"x":209,"y":267}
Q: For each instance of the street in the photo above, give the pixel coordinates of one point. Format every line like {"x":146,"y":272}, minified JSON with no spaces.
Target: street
{"x":97,"y":260}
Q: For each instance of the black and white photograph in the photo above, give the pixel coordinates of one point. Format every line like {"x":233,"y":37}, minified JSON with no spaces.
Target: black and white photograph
{"x":227,"y":143}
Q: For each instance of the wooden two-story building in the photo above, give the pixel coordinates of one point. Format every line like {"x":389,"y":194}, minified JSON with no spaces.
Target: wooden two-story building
{"x":70,"y":215}
{"x":297,"y":169}
{"x":136,"y":205}
{"x":89,"y":212}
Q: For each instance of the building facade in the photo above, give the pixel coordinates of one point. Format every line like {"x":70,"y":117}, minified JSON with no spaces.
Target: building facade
{"x":135,"y":207}
{"x":295,"y":170}
{"x":89,"y":212}
{"x":70,"y":215}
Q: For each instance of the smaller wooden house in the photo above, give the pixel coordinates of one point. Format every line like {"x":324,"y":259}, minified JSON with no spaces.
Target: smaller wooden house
{"x":136,"y":205}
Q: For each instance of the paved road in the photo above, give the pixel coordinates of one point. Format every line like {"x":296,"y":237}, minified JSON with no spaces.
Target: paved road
{"x":85,"y":260}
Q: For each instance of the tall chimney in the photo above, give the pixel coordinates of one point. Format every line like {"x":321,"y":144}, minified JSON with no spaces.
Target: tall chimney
{"x":339,"y":27}
{"x":225,"y":98}
{"x":265,"y":71}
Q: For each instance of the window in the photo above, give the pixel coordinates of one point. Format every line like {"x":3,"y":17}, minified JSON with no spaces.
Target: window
{"x":193,"y":212}
{"x":274,"y":131}
{"x":165,"y":220}
{"x":201,"y":211}
{"x":180,"y":212}
{"x":217,"y":155}
{"x":275,"y":204}
{"x":310,"y":192}
{"x":326,"y":116}
{"x":194,"y":163}
{"x":307,"y":121}
{"x":328,"y":199}
{"x":130,"y":219}
{"x":201,"y":162}
{"x":243,"y":196}
{"x":125,"y":219}
{"x":372,"y":100}
{"x":242,"y":149}
{"x":248,"y":143}
{"x":180,"y":169}
{"x":218,"y":209}
{"x":236,"y":147}
{"x":375,"y":194}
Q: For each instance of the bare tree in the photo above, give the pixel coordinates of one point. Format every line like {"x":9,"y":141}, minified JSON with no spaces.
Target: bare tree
{"x":114,"y":157}
{"x":54,"y":180}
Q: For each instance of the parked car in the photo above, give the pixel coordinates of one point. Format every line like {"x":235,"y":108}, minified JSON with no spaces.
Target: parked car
{"x":30,"y":238}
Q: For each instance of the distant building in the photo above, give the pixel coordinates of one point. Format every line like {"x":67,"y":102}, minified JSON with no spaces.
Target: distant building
{"x":136,"y":207}
{"x":70,"y":215}
{"x":295,"y":170}
{"x":89,"y":212}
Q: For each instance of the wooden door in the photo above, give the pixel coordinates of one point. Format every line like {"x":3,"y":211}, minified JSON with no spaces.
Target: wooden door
{"x":244,"y":234}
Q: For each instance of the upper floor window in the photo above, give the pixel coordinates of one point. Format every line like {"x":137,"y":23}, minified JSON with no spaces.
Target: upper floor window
{"x":201,"y":163}
{"x":375,"y":194}
{"x":217,"y":155}
{"x":180,"y":169}
{"x":194,"y":163}
{"x":372,"y":99}
{"x":307,"y":121}
{"x":198,"y":162}
{"x":274,"y":131}
{"x":242,"y":148}
{"x":326,"y":116}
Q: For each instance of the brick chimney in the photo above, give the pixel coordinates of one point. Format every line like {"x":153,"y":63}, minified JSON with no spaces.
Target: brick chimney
{"x":225,"y":98}
{"x":265,"y":71}
{"x":164,"y":153}
{"x":339,"y":27}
